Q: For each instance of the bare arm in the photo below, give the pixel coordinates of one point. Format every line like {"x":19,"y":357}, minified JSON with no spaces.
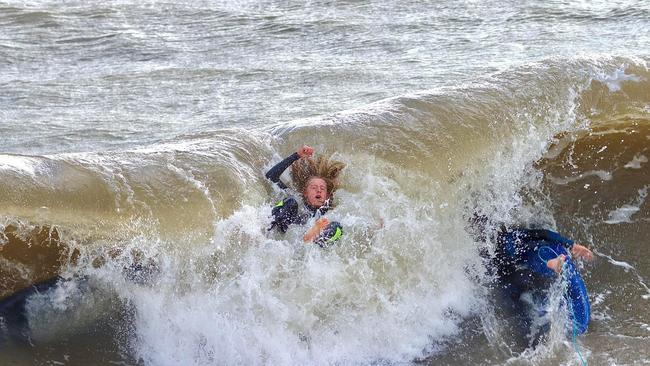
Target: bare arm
{"x":315,"y":230}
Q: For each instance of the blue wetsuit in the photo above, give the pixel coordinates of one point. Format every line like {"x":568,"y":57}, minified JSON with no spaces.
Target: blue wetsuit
{"x":521,"y":255}
{"x":287,"y":211}
{"x":520,"y":263}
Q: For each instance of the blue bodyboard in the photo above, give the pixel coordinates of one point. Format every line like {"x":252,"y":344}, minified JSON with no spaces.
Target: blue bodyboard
{"x":576,"y":295}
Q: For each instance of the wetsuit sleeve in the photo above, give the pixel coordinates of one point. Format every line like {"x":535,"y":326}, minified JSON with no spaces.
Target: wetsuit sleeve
{"x":514,"y":245}
{"x":332,"y":232}
{"x":274,"y":173}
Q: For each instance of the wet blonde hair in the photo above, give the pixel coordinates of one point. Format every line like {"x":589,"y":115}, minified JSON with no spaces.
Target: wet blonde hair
{"x":321,"y":167}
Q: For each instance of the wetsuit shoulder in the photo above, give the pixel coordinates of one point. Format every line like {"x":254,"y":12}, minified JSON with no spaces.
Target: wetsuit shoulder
{"x":285,"y":213}
{"x":516,"y":242}
{"x":547,"y":235}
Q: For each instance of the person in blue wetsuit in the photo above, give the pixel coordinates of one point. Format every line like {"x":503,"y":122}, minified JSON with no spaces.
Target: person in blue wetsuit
{"x":515,"y":248}
{"x":519,"y":247}
{"x":524,"y":264}
{"x":316,"y":179}
{"x":528,"y":260}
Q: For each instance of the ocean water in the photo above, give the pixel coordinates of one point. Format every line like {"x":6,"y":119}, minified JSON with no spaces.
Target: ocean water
{"x":134,"y":137}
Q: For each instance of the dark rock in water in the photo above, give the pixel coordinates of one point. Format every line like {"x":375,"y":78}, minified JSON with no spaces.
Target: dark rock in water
{"x":29,"y":256}
{"x":12,"y":308}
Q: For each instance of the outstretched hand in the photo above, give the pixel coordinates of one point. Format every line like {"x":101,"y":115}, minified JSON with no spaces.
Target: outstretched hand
{"x":577,"y":250}
{"x":581,"y":251}
{"x":305,"y":151}
{"x":556,"y":263}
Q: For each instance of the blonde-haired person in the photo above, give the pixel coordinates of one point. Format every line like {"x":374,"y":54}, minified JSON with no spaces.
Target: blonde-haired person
{"x":316,"y":179}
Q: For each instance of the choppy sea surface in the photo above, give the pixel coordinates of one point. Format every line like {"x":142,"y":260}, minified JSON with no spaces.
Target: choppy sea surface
{"x":134,"y":137}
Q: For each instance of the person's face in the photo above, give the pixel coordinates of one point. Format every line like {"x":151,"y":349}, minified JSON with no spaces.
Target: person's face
{"x":316,"y":192}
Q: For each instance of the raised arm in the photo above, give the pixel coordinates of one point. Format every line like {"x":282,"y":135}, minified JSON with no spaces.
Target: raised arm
{"x":274,"y":173}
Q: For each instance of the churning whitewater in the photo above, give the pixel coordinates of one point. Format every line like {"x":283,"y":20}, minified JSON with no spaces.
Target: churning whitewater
{"x":134,"y":211}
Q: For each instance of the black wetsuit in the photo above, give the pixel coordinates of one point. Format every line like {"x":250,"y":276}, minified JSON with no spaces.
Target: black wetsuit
{"x":287,"y":211}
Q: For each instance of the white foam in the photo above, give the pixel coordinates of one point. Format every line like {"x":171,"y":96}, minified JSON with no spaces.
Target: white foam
{"x":616,"y":78}
{"x":624,"y":213}
{"x":19,"y":163}
{"x":645,"y":327}
{"x":636,"y":162}
{"x":628,"y":267}
{"x":600,"y":298}
{"x":602,"y":174}
{"x":68,"y":308}
{"x":382,"y":295}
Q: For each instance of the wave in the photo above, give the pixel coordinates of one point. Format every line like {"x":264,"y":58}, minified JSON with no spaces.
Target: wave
{"x":527,"y":146}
